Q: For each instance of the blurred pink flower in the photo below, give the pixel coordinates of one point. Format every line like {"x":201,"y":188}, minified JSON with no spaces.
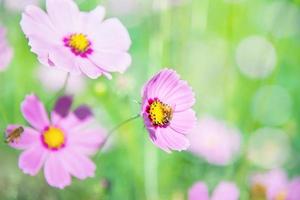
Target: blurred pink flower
{"x":62,"y":145}
{"x":167,"y":112}
{"x":19,"y":5}
{"x":53,"y":80}
{"x":6,"y":52}
{"x":274,"y":185}
{"x":215,"y":141}
{"x":75,"y":41}
{"x":224,"y":191}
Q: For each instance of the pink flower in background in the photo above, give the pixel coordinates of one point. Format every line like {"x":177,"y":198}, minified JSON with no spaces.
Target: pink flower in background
{"x":6,"y":52}
{"x":61,"y":145}
{"x":214,"y":141}
{"x":274,"y":185}
{"x":77,"y":42}
{"x":53,"y":80}
{"x":166,"y":110}
{"x":19,"y":5}
{"x":224,"y":191}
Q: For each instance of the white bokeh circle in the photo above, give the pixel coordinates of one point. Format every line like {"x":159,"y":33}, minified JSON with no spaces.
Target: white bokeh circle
{"x":256,"y":57}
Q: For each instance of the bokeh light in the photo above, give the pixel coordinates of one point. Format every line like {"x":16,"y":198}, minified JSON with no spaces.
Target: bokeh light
{"x":268,"y":148}
{"x":256,"y":57}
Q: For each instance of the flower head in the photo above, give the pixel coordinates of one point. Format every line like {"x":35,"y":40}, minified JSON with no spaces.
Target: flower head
{"x":215,"y":141}
{"x":6,"y":52}
{"x":225,"y":191}
{"x":75,"y":41}
{"x":274,"y":185}
{"x":166,"y":110}
{"x":62,"y":145}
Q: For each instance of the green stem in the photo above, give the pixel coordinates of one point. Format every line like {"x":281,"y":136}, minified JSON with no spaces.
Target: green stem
{"x":109,"y":134}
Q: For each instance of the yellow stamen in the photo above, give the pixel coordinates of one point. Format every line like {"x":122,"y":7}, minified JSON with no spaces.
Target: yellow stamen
{"x":79,"y":42}
{"x":258,"y":192}
{"x":282,"y":195}
{"x":160,"y":113}
{"x":54,"y":137}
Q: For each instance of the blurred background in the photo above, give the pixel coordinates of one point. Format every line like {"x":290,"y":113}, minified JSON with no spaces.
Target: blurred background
{"x":241,"y":58}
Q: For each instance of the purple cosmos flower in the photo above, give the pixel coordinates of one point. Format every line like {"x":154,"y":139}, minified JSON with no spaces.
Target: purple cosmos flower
{"x":214,"y":141}
{"x":274,"y":185}
{"x":75,"y":41}
{"x":6,"y":52}
{"x":61,"y":145}
{"x":224,"y":191}
{"x":166,"y":109}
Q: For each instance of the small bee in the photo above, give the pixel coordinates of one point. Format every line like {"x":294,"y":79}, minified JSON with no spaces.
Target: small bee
{"x":14,"y":135}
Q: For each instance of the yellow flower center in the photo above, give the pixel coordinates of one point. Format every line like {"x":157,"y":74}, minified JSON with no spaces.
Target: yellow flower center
{"x":79,"y":42}
{"x":54,"y":138}
{"x":282,"y":195}
{"x":258,"y":192}
{"x":160,"y":113}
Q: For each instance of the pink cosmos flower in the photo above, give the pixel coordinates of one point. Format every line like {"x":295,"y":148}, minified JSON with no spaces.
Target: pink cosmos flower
{"x":166,"y":110}
{"x":214,"y":141}
{"x":224,"y":191}
{"x":62,"y":145}
{"x":274,"y":185}
{"x":75,"y":41}
{"x":6,"y":52}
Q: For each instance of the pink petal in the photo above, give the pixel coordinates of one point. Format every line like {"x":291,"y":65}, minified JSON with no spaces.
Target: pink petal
{"x":32,"y":159}
{"x":226,"y":191}
{"x":294,"y":189}
{"x":199,"y":191}
{"x":93,"y":17}
{"x":5,"y":57}
{"x":158,"y":140}
{"x":77,"y":164}
{"x":162,"y":83}
{"x":111,"y":35}
{"x":111,"y":61}
{"x":183,"y":122}
{"x":55,"y":172}
{"x":28,"y":138}
{"x":174,"y":140}
{"x":167,"y":86}
{"x":64,"y":59}
{"x":34,"y":112}
{"x":181,"y":96}
{"x":88,"y":68}
{"x":64,"y":14}
{"x":36,"y":23}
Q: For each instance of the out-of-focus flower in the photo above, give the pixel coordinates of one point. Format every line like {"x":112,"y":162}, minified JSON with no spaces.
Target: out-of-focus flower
{"x":6,"y":52}
{"x":19,"y":5}
{"x":166,"y":110}
{"x":224,"y":191}
{"x":256,"y":57}
{"x":274,"y":185}
{"x":215,"y":141}
{"x":53,"y":79}
{"x":294,"y":189}
{"x":61,"y":145}
{"x":266,"y":99}
{"x":268,"y":148}
{"x":75,"y":41}
{"x":125,"y":84}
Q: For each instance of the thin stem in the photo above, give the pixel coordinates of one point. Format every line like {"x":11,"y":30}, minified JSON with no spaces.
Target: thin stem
{"x":109,"y":134}
{"x":62,"y":90}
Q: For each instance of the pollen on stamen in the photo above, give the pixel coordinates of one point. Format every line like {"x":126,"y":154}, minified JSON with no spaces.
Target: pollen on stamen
{"x":159,"y":113}
{"x":79,"y":44}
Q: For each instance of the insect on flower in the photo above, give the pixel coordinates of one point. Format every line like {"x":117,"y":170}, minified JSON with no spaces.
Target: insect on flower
{"x":15,"y":135}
